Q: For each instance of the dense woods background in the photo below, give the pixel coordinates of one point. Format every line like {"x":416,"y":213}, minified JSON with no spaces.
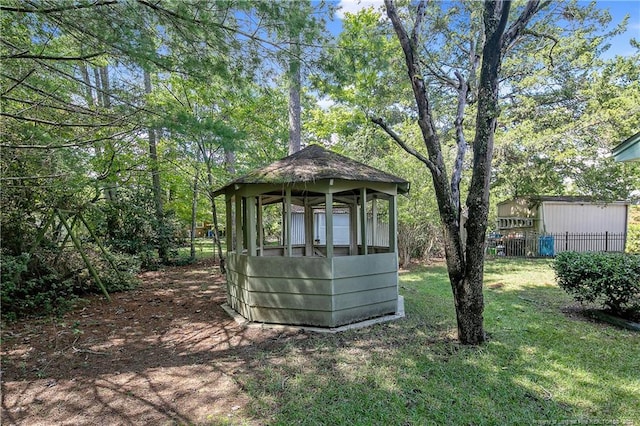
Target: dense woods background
{"x":119,"y":120}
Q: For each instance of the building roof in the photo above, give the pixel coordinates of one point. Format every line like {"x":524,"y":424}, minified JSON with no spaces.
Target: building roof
{"x":315,"y":163}
{"x":629,"y":150}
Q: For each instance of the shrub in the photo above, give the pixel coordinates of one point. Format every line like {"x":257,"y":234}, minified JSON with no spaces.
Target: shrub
{"x":609,"y":279}
{"x":48,"y":282}
{"x":121,"y":280}
{"x":30,"y":285}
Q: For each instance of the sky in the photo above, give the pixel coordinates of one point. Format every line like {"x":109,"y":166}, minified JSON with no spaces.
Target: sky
{"x":618,"y":9}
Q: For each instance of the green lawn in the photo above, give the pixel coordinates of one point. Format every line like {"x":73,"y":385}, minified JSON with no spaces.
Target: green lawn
{"x":204,"y":249}
{"x":541,"y":364}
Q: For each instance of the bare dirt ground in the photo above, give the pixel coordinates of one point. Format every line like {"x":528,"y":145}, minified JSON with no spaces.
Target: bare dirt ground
{"x":165,"y":353}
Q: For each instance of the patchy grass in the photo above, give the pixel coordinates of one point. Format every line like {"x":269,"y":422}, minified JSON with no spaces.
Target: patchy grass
{"x":542,"y":362}
{"x":204,"y":249}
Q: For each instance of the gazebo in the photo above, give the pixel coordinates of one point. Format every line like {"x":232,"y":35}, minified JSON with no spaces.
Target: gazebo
{"x":312,"y":240}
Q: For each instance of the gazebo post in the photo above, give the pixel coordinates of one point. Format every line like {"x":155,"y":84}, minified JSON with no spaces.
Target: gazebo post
{"x":308,"y":228}
{"x":363,"y":220}
{"x":374,"y":220}
{"x":229,"y":224}
{"x":329,"y":223}
{"x":287,"y":222}
{"x":353,"y":227}
{"x":329,"y":288}
{"x":239,"y":230}
{"x":260,"y":226}
{"x":393,"y":225}
{"x":250,"y":223}
{"x":245,"y":225}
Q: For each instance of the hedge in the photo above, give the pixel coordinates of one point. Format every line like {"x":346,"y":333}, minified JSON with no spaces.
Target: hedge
{"x":611,"y":280}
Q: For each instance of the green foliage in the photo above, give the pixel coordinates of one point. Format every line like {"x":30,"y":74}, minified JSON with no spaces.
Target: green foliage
{"x":633,"y":238}
{"x":120,"y":279}
{"x":609,"y":279}
{"x":363,"y":68}
{"x":129,"y":226}
{"x":75,"y":110}
{"x":49,"y":282}
{"x":31,"y":286}
{"x":559,"y":140}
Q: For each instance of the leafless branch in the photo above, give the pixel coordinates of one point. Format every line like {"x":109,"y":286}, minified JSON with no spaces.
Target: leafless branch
{"x":76,"y":144}
{"x":415,"y":33}
{"x":26,"y":55}
{"x":57,"y":9}
{"x":456,"y":175}
{"x":439,"y":75}
{"x":396,"y":137}
{"x":18,"y":82}
{"x":516,"y":29}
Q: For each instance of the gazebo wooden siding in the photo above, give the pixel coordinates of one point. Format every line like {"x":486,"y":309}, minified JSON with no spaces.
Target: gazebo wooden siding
{"x":317,"y":291}
{"x":311,"y":284}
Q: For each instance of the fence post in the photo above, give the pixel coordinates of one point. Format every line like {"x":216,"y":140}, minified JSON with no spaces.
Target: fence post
{"x":606,"y":241}
{"x":566,"y":241}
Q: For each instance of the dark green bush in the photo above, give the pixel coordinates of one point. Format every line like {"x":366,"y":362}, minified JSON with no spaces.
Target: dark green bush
{"x":611,"y":280}
{"x":32,"y":286}
{"x":48,"y":282}
{"x":129,"y":225}
{"x":121,"y":280}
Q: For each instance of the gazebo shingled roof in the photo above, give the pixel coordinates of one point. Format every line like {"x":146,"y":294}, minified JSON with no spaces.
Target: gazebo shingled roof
{"x":315,"y":163}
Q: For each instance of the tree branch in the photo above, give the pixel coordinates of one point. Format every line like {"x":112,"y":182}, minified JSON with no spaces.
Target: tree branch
{"x":26,"y":55}
{"x":18,"y":82}
{"x":69,"y":145}
{"x":57,"y":9}
{"x":440,"y":75}
{"x":425,"y":117}
{"x":456,"y":174}
{"x":380,"y":122}
{"x":420,"y":12}
{"x":516,"y":29}
{"x":11,"y":178}
{"x":60,"y":124}
{"x":550,"y":37}
{"x":42,"y":92}
{"x":70,"y":108}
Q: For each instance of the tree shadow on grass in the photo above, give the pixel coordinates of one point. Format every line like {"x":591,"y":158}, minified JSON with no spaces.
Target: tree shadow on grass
{"x":585,"y":365}
{"x":168,"y":354}
{"x":539,"y":365}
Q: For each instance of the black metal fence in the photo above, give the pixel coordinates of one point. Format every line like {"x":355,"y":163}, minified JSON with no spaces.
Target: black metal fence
{"x":548,"y":245}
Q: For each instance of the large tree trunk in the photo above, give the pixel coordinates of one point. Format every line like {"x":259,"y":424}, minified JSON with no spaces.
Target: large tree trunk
{"x":163,"y":247}
{"x":230,"y":161}
{"x":465,"y":259}
{"x":470,"y":304}
{"x":207,"y":156}
{"x":88,"y":91}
